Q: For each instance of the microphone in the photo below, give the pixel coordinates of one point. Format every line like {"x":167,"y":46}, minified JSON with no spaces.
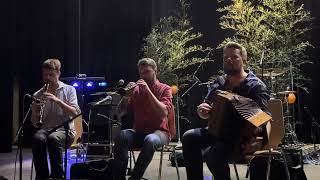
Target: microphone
{"x":106,"y":99}
{"x":33,"y":99}
{"x":120,"y":83}
{"x":111,"y":90}
{"x":219,"y":81}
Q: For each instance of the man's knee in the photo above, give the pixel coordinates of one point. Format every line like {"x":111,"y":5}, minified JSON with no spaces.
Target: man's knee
{"x":39,"y":139}
{"x":152,"y":140}
{"x":121,"y":138}
{"x":188,"y":137}
{"x":53,"y":140}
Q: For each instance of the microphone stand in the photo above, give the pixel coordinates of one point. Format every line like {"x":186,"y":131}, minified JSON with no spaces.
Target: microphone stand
{"x":111,"y":121}
{"x":65,"y":124}
{"x":178,"y":109}
{"x":19,"y":137}
{"x":314,"y":125}
{"x":195,"y":77}
{"x":188,"y":90}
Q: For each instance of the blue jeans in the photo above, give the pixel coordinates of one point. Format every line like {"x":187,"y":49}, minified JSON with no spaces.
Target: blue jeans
{"x":55,"y":143}
{"x":217,"y":153}
{"x":128,"y":139}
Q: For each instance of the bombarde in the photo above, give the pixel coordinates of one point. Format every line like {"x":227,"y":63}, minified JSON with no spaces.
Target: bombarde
{"x":123,"y":91}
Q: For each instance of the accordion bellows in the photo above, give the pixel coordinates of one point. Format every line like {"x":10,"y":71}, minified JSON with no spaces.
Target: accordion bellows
{"x":231,"y":113}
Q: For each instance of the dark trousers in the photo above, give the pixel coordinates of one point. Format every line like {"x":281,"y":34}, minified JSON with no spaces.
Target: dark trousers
{"x":128,"y":139}
{"x":199,"y":146}
{"x":54,"y":143}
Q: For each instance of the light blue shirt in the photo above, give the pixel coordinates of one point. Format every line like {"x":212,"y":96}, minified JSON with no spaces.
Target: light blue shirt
{"x":53,"y":114}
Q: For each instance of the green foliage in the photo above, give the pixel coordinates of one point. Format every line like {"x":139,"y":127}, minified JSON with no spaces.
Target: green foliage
{"x":275,"y":28}
{"x":172,"y":44}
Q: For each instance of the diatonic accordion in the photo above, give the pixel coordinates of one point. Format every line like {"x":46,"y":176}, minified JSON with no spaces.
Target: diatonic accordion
{"x":232,"y":114}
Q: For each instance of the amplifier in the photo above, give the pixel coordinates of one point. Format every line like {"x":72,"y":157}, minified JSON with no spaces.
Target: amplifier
{"x":95,"y":150}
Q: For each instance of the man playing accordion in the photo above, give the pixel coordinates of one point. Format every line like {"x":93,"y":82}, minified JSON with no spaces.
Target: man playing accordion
{"x":220,"y":150}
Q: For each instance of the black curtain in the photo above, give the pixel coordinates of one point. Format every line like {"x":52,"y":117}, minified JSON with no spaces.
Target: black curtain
{"x":7,"y":56}
{"x":96,"y":37}
{"x":308,"y":102}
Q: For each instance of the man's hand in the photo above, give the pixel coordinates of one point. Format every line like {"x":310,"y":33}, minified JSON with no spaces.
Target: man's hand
{"x":143,"y":86}
{"x":130,"y":86}
{"x":50,"y":96}
{"x":204,"y":110}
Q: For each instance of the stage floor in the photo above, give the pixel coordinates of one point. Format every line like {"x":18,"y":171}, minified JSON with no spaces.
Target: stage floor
{"x":168,"y":173}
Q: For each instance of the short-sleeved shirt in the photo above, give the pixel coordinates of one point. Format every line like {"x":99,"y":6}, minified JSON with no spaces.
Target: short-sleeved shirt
{"x":251,"y":87}
{"x":145,"y":119}
{"x":53,"y":114}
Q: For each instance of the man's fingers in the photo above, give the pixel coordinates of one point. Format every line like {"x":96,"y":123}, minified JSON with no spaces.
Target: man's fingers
{"x":207,"y":108}
{"x":204,"y":109}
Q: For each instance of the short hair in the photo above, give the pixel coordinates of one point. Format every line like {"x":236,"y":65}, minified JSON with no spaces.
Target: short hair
{"x":148,"y":62}
{"x":52,"y":64}
{"x":243,"y":51}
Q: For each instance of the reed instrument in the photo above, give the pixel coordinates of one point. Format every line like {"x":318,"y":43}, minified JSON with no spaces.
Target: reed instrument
{"x":42,"y":105}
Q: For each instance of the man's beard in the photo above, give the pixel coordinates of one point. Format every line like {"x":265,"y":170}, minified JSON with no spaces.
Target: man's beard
{"x":232,"y":71}
{"x":47,"y":81}
{"x":149,"y":80}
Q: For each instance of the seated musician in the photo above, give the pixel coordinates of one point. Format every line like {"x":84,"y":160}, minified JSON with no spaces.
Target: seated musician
{"x":150,"y":101}
{"x":218,"y":152}
{"x":59,"y":102}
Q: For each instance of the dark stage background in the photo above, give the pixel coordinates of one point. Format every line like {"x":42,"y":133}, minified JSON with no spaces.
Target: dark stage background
{"x":111,"y":36}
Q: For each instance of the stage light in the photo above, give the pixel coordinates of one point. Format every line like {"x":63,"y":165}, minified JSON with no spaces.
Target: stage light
{"x":75,"y":84}
{"x":89,"y":84}
{"x":102,"y":84}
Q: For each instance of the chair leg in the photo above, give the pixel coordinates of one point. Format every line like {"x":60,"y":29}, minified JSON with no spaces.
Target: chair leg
{"x":31,"y":169}
{"x":130,"y":162}
{"x":81,"y":152}
{"x":236,"y":170}
{"x":248,"y":170}
{"x":301,"y":158}
{"x":134,"y":158}
{"x":285,"y":164}
{"x":160,"y":166}
{"x":77,"y":152}
{"x":268,"y":165}
{"x":176,"y":162}
{"x":131,"y":165}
